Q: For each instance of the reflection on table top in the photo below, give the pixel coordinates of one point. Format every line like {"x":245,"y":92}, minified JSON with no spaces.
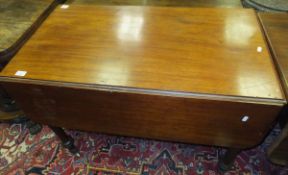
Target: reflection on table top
{"x":16,"y":16}
{"x":214,"y":51}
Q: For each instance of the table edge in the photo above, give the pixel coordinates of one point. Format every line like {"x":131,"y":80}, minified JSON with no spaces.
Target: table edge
{"x":121,"y":89}
{"x":273,"y":55}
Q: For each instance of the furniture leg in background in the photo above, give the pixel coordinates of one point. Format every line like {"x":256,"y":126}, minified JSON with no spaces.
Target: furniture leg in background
{"x":226,"y":161}
{"x":67,"y":141}
{"x":277,"y":152}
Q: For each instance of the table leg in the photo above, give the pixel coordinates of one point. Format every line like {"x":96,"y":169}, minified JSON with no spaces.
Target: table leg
{"x":227,"y":160}
{"x":62,"y":1}
{"x":283,"y":119}
{"x":67,"y":141}
{"x":34,"y":128}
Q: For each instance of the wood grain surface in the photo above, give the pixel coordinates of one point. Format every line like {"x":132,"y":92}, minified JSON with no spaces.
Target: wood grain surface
{"x":164,"y":117}
{"x":174,"y":3}
{"x":210,"y":51}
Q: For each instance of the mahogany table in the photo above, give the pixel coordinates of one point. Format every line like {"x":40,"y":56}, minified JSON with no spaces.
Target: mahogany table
{"x":195,"y":75}
{"x":276,"y":28}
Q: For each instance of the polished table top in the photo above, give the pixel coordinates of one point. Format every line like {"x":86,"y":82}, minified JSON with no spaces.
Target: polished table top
{"x":191,"y":50}
{"x":174,"y":3}
{"x":16,"y":16}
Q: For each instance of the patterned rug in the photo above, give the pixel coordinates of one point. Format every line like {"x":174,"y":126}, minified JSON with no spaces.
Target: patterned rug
{"x":23,"y":154}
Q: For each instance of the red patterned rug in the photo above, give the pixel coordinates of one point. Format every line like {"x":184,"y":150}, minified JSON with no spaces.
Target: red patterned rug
{"x":23,"y":154}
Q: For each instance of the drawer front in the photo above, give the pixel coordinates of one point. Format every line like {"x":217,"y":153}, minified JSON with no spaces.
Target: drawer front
{"x":183,"y":119}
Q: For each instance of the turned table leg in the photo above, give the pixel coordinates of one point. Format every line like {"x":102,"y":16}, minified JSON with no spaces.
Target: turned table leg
{"x":227,"y":160}
{"x":67,"y":141}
